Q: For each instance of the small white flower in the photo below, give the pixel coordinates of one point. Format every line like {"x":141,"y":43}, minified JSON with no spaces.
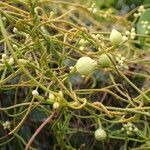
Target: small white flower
{"x":94,"y":10}
{"x":71,"y":67}
{"x":133,"y":35}
{"x":142,"y":22}
{"x":141,"y":9}
{"x":122,"y":129}
{"x":35,"y":93}
{"x":6,"y":125}
{"x":148,"y":27}
{"x":122,"y":58}
{"x":52,"y":98}
{"x":129,"y":133}
{"x":130,"y":129}
{"x":136,"y":129}
{"x":11,"y":61}
{"x":120,"y":61}
{"x":56,"y":105}
{"x":82,"y":42}
{"x":144,"y":26}
{"x":133,"y":30}
{"x":124,"y":38}
{"x":81,"y":47}
{"x":15,"y":46}
{"x":4,"y":57}
{"x":15,"y":30}
{"x":127,"y":33}
{"x":129,"y":124}
{"x":146,"y":32}
{"x":135,"y":15}
{"x":146,"y":22}
{"x":125,"y":125}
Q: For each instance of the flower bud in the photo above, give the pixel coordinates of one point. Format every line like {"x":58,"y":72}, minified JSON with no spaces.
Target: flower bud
{"x":85,"y":65}
{"x":35,"y":93}
{"x":4,"y":57}
{"x":52,"y":98}
{"x":6,"y":125}
{"x":100,"y":134}
{"x":115,"y":37}
{"x":11,"y":61}
{"x":56,"y":105}
{"x":15,"y":30}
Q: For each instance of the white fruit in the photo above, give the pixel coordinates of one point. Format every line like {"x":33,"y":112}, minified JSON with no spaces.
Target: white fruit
{"x":115,"y":37}
{"x":85,"y":65}
{"x":52,"y":98}
{"x":35,"y":93}
{"x":56,"y":105}
{"x":11,"y":61}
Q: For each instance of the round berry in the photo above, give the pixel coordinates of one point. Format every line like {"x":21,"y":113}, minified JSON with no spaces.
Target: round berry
{"x":56,"y":105}
{"x":85,"y":65}
{"x":35,"y":93}
{"x":100,"y":134}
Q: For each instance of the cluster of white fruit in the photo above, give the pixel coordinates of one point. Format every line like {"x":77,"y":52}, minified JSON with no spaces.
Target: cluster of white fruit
{"x":86,"y":65}
{"x":6,"y":60}
{"x":93,"y":9}
{"x":121,"y":62}
{"x":146,"y":26}
{"x":129,"y":128}
{"x":20,"y":33}
{"x":141,"y":9}
{"x":116,"y":38}
{"x":56,"y":101}
{"x":107,"y":13}
{"x":82,"y":44}
{"x":6,"y":125}
{"x":131,"y":34}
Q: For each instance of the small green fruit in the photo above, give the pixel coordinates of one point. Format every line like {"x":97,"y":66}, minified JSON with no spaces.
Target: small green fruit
{"x":85,"y":65}
{"x":100,"y":134}
{"x":104,"y":60}
{"x":115,"y":37}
